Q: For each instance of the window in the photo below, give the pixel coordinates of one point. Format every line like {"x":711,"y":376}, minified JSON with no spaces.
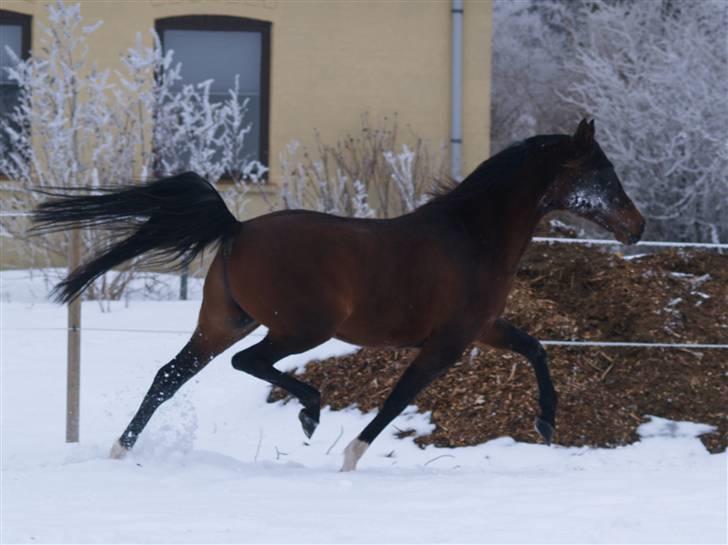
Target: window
{"x":15,"y":35}
{"x":219,"y":48}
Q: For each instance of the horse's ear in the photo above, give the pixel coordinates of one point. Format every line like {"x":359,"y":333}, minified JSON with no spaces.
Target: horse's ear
{"x":584,"y":136}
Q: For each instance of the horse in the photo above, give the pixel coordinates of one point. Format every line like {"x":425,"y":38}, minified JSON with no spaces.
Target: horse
{"x":436,"y":279}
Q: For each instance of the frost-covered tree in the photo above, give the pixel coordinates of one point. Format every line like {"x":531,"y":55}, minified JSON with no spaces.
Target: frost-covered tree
{"x":77,"y":126}
{"x":653,"y":74}
{"x":528,"y":74}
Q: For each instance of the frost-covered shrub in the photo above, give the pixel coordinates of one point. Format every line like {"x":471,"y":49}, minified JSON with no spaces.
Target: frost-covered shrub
{"x":370,"y":174}
{"x":79,"y":126}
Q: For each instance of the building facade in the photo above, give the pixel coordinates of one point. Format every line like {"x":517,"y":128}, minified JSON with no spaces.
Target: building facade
{"x":308,"y":66}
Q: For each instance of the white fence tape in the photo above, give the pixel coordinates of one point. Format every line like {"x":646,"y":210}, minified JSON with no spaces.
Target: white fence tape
{"x":650,"y":243}
{"x":631,"y":344}
{"x":549,"y":240}
{"x":576,"y":343}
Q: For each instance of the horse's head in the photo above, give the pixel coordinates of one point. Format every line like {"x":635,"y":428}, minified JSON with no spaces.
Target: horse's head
{"x":587,"y":185}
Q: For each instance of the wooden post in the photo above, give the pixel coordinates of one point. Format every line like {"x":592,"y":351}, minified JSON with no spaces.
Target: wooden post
{"x":73,"y":375}
{"x":183,"y":283}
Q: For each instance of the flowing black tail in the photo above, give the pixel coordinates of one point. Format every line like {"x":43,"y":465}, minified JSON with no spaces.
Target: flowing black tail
{"x":171,"y":219}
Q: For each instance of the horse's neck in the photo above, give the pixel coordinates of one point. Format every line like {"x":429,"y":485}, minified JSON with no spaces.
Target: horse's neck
{"x":500,"y":203}
{"x":518,"y":228}
{"x":513,"y":215}
{"x":505,"y":223}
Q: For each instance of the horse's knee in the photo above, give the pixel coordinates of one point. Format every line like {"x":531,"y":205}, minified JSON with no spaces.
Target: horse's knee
{"x":533,"y":350}
{"x":539,"y":352}
{"x":240,"y":362}
{"x":249,"y":363}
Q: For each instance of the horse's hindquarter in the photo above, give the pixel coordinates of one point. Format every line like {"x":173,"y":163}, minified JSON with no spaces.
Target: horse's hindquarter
{"x":293,"y":269}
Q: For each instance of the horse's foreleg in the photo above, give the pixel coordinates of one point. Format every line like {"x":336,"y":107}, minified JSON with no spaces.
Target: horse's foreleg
{"x":258,"y":360}
{"x":505,"y":335}
{"x":435,"y":357}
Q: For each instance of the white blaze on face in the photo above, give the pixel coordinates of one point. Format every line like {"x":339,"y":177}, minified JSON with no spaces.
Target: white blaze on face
{"x":585,"y":199}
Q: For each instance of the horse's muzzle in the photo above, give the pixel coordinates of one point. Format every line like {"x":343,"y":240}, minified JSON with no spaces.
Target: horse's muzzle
{"x":632,"y":225}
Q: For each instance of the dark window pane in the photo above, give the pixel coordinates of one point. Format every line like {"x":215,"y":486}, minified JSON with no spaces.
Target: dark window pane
{"x":220,"y":55}
{"x":11,"y":36}
{"x":9,"y":95}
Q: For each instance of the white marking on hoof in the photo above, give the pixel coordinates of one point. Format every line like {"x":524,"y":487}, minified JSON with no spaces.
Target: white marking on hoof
{"x":352,"y":453}
{"x":118,"y":451}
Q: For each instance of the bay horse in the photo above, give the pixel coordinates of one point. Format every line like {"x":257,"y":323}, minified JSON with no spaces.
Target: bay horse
{"x":436,"y":279}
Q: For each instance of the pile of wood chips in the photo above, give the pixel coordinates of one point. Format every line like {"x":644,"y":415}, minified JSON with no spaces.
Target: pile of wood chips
{"x":573,"y":292}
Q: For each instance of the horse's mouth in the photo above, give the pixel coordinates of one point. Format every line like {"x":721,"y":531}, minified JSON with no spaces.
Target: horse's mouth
{"x":628,"y":238}
{"x":625,"y":231}
{"x":630,"y":234}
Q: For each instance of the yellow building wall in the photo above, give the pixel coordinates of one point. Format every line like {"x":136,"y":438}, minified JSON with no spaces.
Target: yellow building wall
{"x":332,"y":60}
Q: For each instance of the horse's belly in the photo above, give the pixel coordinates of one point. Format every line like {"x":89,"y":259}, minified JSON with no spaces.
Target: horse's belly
{"x":372,"y":338}
{"x":390,"y":325}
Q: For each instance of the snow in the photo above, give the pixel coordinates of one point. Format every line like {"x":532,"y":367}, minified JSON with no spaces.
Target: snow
{"x":28,"y":286}
{"x":219,"y":464}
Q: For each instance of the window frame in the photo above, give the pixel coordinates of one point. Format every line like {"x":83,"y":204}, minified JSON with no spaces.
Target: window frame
{"x":25,"y":22}
{"x":233,"y":23}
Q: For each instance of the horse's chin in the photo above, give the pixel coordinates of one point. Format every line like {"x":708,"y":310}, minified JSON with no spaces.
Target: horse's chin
{"x":625,"y":238}
{"x":630,"y":234}
{"x":623,"y":233}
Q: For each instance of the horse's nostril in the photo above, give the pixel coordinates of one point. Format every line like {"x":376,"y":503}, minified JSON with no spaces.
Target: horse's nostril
{"x":635,"y":237}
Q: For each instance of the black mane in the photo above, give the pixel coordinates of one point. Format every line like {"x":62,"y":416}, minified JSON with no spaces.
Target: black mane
{"x":494,"y":174}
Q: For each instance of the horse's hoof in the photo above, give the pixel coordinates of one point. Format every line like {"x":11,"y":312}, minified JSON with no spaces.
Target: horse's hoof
{"x":118,"y":451}
{"x":545,"y":429}
{"x":309,"y":422}
{"x":352,"y":453}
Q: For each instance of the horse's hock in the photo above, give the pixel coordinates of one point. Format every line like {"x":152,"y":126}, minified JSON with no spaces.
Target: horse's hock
{"x":570,"y":292}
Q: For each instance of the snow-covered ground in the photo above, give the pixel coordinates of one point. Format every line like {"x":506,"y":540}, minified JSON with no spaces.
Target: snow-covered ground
{"x":219,"y":464}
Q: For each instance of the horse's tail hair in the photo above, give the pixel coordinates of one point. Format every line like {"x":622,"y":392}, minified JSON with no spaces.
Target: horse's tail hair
{"x":171,"y":220}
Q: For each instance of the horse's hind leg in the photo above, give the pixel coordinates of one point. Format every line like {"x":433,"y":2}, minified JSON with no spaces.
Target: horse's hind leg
{"x":195,"y":355}
{"x":258,"y":360}
{"x":505,"y":335}
{"x":221,"y":323}
{"x":190,"y":360}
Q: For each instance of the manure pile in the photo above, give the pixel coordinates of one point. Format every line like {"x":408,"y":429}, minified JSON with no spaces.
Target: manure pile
{"x":573,"y":292}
